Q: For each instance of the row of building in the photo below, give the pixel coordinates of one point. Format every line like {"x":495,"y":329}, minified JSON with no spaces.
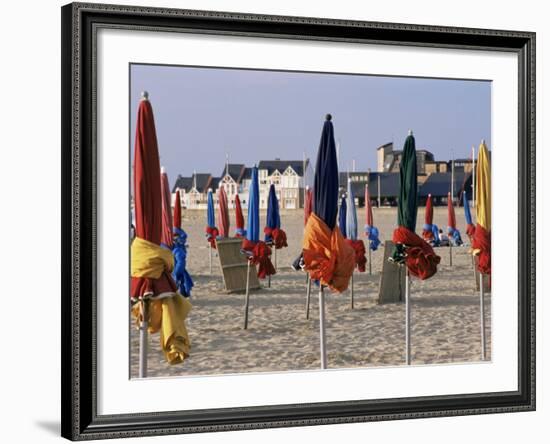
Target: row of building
{"x":291,"y":176}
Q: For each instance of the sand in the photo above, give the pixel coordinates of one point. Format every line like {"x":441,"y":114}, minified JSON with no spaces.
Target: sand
{"x":445,"y":313}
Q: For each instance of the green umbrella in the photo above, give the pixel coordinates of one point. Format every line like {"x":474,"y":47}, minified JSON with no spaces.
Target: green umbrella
{"x":408,"y":193}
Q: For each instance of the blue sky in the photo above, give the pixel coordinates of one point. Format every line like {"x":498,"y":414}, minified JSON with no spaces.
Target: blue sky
{"x":202,"y":114}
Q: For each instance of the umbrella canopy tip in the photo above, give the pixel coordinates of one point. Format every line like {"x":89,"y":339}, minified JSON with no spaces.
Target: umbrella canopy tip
{"x":144,"y":95}
{"x":162,"y":170}
{"x":328,"y":116}
{"x":483,"y":141}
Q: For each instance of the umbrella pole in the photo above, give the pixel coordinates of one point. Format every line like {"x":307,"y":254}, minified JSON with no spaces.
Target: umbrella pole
{"x":351,"y":295}
{"x":407,"y":319}
{"x":247,"y":296}
{"x":322,"y":336}
{"x":210,"y":257}
{"x":308,"y":294}
{"x":370,"y":262}
{"x":482,"y":314}
{"x":450,"y":253}
{"x":143,"y":339}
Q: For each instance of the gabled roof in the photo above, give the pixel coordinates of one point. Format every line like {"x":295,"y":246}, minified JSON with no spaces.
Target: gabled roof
{"x":439,"y":184}
{"x":202,"y":181}
{"x":282,"y":165}
{"x":234,"y":170}
{"x":183,"y":183}
{"x":246,"y":174}
{"x":384,"y":146}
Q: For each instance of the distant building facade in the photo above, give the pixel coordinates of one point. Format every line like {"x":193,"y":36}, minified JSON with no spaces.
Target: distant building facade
{"x":388,"y":159}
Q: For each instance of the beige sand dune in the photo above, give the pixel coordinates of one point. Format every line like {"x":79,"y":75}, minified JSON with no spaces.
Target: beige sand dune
{"x":445,"y":313}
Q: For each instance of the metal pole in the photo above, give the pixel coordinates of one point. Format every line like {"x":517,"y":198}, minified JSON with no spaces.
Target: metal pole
{"x":351,"y":295}
{"x":379,"y":201}
{"x":143,"y":338}
{"x":450,"y":253}
{"x":482,"y":315}
{"x":407,"y":320}
{"x":370,"y":261}
{"x":473,"y":178}
{"x":210,"y":257}
{"x":247,"y":297}
{"x":322,"y":336}
{"x":308,"y":295}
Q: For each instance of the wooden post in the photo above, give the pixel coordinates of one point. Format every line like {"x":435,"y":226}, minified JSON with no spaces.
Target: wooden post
{"x":143,"y":338}
{"x":450,"y":253}
{"x":247,"y":296}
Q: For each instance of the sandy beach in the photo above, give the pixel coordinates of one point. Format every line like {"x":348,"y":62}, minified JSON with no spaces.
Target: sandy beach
{"x":445,"y":313}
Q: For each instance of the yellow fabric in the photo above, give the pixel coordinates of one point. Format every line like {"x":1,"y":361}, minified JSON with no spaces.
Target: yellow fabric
{"x":149,"y":260}
{"x":483,"y":188}
{"x":327,"y":256}
{"x":168,"y":314}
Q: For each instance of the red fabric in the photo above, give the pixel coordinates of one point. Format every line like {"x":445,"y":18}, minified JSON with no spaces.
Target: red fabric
{"x":167,"y":224}
{"x":212,"y":233}
{"x":481,"y":245}
{"x":421,"y":259}
{"x":359,"y":249}
{"x":148,"y":197}
{"x":261,"y":256}
{"x":239,"y":219}
{"x":470,"y":230}
{"x":308,"y":205}
{"x":177,"y":210}
{"x":223,"y":213}
{"x":278,"y":236}
{"x":368,"y":208}
{"x":428,"y":219}
{"x":451,"y":218}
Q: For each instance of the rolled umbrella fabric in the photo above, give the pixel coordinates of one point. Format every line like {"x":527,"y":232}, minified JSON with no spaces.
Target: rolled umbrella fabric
{"x":274,"y":235}
{"x":351,"y":230}
{"x":151,"y":265}
{"x":239,"y":219}
{"x":481,"y":243}
{"x":411,"y":249}
{"x":454,"y":234}
{"x":179,"y":251}
{"x":177,"y":210}
{"x":327,"y":257}
{"x":166,"y":238}
{"x":427,"y":229}
{"x":308,"y":205}
{"x":370,"y":230}
{"x":223,"y":213}
{"x":342,"y":215}
{"x":470,"y":227}
{"x":211,"y":229}
{"x":258,"y":251}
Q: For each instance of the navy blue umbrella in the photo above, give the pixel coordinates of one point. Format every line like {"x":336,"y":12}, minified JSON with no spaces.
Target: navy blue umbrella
{"x":273,"y":219}
{"x":342,"y":216}
{"x":253,"y":222}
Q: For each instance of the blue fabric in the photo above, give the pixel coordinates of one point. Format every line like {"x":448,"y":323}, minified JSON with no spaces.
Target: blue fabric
{"x":427,"y":227}
{"x":210,"y":217}
{"x":351,"y":215}
{"x":372,"y":235}
{"x":325,"y":181}
{"x":454,"y":235}
{"x":342,"y":216}
{"x":273,"y":219}
{"x":435,"y":231}
{"x":253,"y":221}
{"x":181,"y":276}
{"x":467,"y":214}
{"x":240,"y":232}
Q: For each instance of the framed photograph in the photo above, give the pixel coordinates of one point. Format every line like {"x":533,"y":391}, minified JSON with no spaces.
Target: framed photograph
{"x":278,"y":221}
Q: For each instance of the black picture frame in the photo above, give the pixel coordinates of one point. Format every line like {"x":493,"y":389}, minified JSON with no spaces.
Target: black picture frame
{"x":79,"y":171}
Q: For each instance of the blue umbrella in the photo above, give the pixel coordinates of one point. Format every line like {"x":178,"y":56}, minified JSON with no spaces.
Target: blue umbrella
{"x":351,"y":215}
{"x":273,"y":219}
{"x":253,"y":221}
{"x":210,"y":217}
{"x":467,"y":214}
{"x":342,"y":215}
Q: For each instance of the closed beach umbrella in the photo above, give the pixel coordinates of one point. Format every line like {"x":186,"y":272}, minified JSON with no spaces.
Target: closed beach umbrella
{"x":161,"y":307}
{"x":273,"y":233}
{"x":223,"y":213}
{"x":427,"y":229}
{"x":166,"y":238}
{"x":357,"y":244}
{"x":342,"y":215}
{"x":327,"y":257}
{"x":239,"y":219}
{"x":179,"y":250}
{"x":482,"y":237}
{"x":470,"y":228}
{"x":308,"y":204}
{"x":454,"y":234}
{"x":370,"y":230}
{"x":211,"y":229}
{"x":410,"y":249}
{"x":177,"y":210}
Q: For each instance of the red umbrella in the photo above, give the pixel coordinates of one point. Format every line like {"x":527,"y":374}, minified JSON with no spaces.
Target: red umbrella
{"x":151,"y":264}
{"x":239,"y":219}
{"x":308,"y":205}
{"x":451,"y":218}
{"x":223,"y":213}
{"x":177,"y":210}
{"x":166,"y":237}
{"x":427,"y":230}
